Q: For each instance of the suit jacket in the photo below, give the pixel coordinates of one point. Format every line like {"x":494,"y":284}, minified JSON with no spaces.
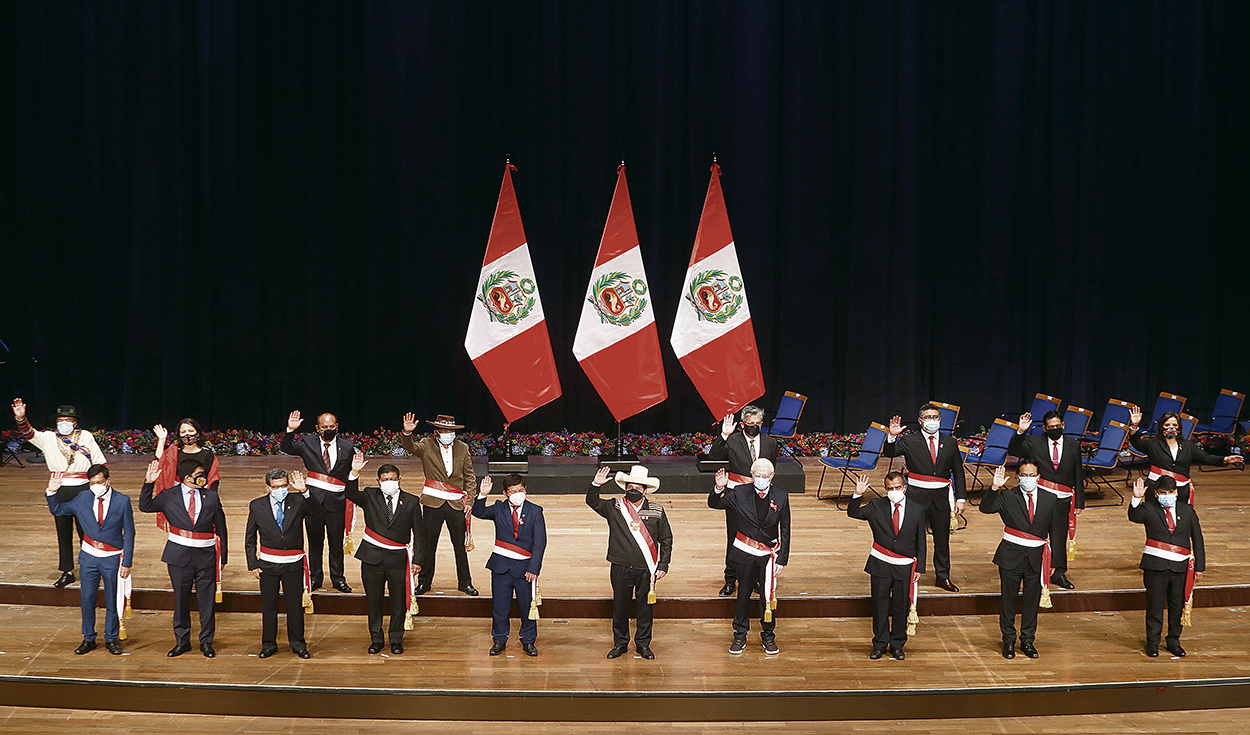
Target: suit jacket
{"x":210,"y":518}
{"x":735,"y":450}
{"x":1188,"y":533}
{"x":622,"y":548}
{"x":1071,"y":470}
{"x":532,"y":535}
{"x":909,"y":541}
{"x":404,"y":528}
{"x":914,"y":449}
{"x":309,"y":450}
{"x":774,"y":527}
{"x":1010,"y":505}
{"x":119,"y":522}
{"x":432,"y":466}
{"x":262,"y":524}
{"x":1187,"y":454}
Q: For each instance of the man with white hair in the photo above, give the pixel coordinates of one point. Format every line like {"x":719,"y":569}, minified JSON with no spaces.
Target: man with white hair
{"x":761,"y":547}
{"x":740,"y":448}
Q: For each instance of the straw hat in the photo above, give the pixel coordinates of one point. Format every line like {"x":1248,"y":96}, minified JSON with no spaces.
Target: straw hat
{"x":638,"y":476}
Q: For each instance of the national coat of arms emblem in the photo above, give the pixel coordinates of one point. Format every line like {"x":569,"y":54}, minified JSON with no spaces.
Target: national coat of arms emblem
{"x":508,"y":298}
{"x":619,"y":298}
{"x":715,"y":295}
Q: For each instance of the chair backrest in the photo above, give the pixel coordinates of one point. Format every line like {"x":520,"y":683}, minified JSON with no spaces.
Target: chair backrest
{"x":874,"y":439}
{"x":1116,"y":410}
{"x":1164,"y":403}
{"x":1000,"y":434}
{"x":1113,"y":437}
{"x":1041,"y":404}
{"x":1227,"y":410}
{"x":1187,"y":425}
{"x":786,"y":421}
{"x":950,"y":416}
{"x":1076,"y":421}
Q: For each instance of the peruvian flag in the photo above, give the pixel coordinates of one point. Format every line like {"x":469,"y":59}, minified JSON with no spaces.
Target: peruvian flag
{"x":507,"y":338}
{"x":617,"y":344}
{"x":712,"y":335}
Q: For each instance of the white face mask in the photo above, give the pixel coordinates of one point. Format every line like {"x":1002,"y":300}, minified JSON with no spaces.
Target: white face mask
{"x":390,"y":487}
{"x":1167,"y":501}
{"x":64,"y":427}
{"x":279,"y":493}
{"x":446,"y":438}
{"x":517,"y":498}
{"x":762,"y":483}
{"x":1028,"y":484}
{"x":99,"y":490}
{"x":895,"y":496}
{"x":931,"y":426}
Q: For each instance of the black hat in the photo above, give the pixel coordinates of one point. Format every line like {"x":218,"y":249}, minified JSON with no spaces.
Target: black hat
{"x":66,"y":412}
{"x":188,"y":465}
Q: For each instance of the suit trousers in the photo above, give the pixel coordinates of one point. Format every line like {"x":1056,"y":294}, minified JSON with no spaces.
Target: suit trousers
{"x":95,"y":569}
{"x":750,"y":577}
{"x":731,"y":532}
{"x":432,"y":520}
{"x":1009,"y":584}
{"x":502,"y":587}
{"x":376,"y":578}
{"x":326,"y":528}
{"x":65,"y":526}
{"x":290,"y":577}
{"x":891,"y":602}
{"x":1059,"y":532}
{"x":938,"y":511}
{"x":205,"y":580}
{"x":1164,"y":589}
{"x":630,"y":585}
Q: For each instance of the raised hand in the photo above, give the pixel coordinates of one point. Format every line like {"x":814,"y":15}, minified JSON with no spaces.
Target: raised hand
{"x":1000,"y":477}
{"x":19,"y":409}
{"x":861,"y":484}
{"x":1139,"y":488}
{"x":1026,"y":420}
{"x":54,"y":481}
{"x":896,"y":426}
{"x":154,"y":471}
{"x":722,"y":479}
{"x":358,"y":462}
{"x":161,"y":433}
{"x":727,"y":425}
{"x":293,"y":421}
{"x":297,"y":482}
{"x":484,"y":487}
{"x":410,"y":422}
{"x":1134,"y":416}
{"x":601,"y":476}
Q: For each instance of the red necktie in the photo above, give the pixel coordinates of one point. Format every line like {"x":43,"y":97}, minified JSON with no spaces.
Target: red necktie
{"x":896,"y":519}
{"x":516,"y":522}
{"x":1054,"y":453}
{"x":1171,"y":520}
{"x":325,"y":456}
{"x":1030,"y":507}
{"x":99,"y":513}
{"x":191,"y":505}
{"x":933,"y":451}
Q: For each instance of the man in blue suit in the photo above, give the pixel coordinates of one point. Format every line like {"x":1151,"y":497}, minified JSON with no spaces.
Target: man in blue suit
{"x":108,"y":547}
{"x":520,"y":540}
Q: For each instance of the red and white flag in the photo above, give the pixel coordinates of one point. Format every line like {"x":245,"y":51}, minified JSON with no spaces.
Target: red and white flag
{"x":712,"y":335}
{"x":617,"y":343}
{"x":507,"y":338}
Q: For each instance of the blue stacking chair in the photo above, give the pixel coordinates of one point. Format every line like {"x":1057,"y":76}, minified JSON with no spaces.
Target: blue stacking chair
{"x":1076,"y":421}
{"x":1116,"y":410}
{"x":1224,"y":419}
{"x":865,"y":461}
{"x":1041,"y":404}
{"x":786,"y":420}
{"x":995,"y":452}
{"x":950,"y":417}
{"x":1107,"y":458}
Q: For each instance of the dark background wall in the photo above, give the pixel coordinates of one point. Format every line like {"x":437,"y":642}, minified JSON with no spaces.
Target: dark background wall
{"x":233,"y":209}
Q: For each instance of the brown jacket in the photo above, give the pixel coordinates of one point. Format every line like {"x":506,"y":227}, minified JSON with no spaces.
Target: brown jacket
{"x":431,"y":456}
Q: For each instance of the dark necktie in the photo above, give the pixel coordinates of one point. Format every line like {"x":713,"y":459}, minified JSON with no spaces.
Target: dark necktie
{"x":325,"y":456}
{"x":1171,"y":520}
{"x":896,"y":519}
{"x":280,"y":514}
{"x":516,"y":523}
{"x":1030,"y":506}
{"x":933,"y":451}
{"x":390,"y":507}
{"x":191,"y":505}
{"x":99,"y":513}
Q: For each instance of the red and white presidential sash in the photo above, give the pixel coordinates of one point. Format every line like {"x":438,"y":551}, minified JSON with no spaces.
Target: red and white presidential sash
{"x":1181,"y":480}
{"x":1024,"y":538}
{"x":198,"y":540}
{"x":512,"y":551}
{"x":1063,"y":492}
{"x":755,"y":548}
{"x":377,"y":539}
{"x":642,"y":537}
{"x":335,"y":485}
{"x":1172,"y":552}
{"x":99,"y":548}
{"x":74,"y":479}
{"x":889,"y":557}
{"x":287,"y":556}
{"x":446,"y":491}
{"x":735,"y":479}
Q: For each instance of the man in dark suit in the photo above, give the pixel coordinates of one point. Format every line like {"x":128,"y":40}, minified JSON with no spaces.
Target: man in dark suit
{"x":1024,"y":553}
{"x":741,"y":449}
{"x":328,"y":459}
{"x":108,"y":547}
{"x":276,"y":519}
{"x":761,"y":548}
{"x":392,"y":522}
{"x":195,"y":550}
{"x":935,"y":478}
{"x":449,"y":483}
{"x":1062,"y":475}
{"x":520,"y":541}
{"x":1172,"y":562}
{"x":895,"y":562}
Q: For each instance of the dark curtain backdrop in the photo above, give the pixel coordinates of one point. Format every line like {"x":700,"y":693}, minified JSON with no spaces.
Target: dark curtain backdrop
{"x":230,"y":210}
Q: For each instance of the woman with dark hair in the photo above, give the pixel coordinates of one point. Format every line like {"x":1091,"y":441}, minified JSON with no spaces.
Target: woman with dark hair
{"x":188,"y":447}
{"x":1170,"y":455}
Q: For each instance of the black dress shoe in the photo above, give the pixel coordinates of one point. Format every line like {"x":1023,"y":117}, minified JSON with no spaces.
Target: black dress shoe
{"x":66,"y":579}
{"x":421,"y":589}
{"x":617,"y":651}
{"x":1009,"y":650}
{"x":530,"y":649}
{"x":375,"y":648}
{"x":1026,"y":647}
{"x":898,"y":654}
{"x":303,"y":653}
{"x":114,"y":647}
{"x":469,"y":590}
{"x":85,"y":647}
{"x":1061,"y":579}
{"x":341,"y":586}
{"x":876,"y":654}
{"x":1152,"y":651}
{"x":267,"y":652}
{"x":947,"y":585}
{"x":179,"y":649}
{"x":498,"y":647}
{"x":728,"y":589}
{"x":397,"y":648}
{"x":207,"y":650}
{"x":1176,"y":650}
{"x":314,"y":583}
{"x":645,"y":652}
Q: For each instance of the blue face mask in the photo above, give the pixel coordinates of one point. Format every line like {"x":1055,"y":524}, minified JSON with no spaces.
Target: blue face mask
{"x":279,"y":493}
{"x":931,"y":426}
{"x":762,"y":483}
{"x":446,"y":438}
{"x":1167,"y":501}
{"x":1028,"y":484}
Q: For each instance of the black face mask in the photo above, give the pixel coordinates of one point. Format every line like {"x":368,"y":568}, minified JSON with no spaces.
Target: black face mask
{"x":329,"y":434}
{"x":633,"y":495}
{"x":751,"y":430}
{"x":1055,"y":434}
{"x":185,"y":440}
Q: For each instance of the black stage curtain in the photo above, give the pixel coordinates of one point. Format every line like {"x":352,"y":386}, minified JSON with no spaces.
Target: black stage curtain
{"x":230,"y":210}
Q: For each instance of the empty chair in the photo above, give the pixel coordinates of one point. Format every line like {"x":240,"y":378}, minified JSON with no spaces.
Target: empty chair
{"x":1107,"y":458}
{"x":1041,"y":404}
{"x":1116,"y":410}
{"x":1188,"y":424}
{"x":1076,"y":421}
{"x":864,"y":461}
{"x":994,"y":454}
{"x":1224,"y":419}
{"x":786,"y":421}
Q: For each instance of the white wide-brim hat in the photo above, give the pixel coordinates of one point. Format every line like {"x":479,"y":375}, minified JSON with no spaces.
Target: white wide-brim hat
{"x":638,"y":476}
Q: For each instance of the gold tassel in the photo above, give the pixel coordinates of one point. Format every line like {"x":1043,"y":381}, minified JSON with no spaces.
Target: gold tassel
{"x":954,"y":522}
{"x":121,"y":629}
{"x":912,"y":619}
{"x":768,"y":615}
{"x":1071,"y":549}
{"x":468,"y":545}
{"x":651,"y":597}
{"x":411,"y":613}
{"x":538,"y":597}
{"x":349,"y":546}
{"x":217,"y":599}
{"x":772,"y":604}
{"x":307,"y":602}
{"x":1187,"y":616}
{"x":534,"y":609}
{"x":1045,"y":602}
{"x":129,"y":613}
